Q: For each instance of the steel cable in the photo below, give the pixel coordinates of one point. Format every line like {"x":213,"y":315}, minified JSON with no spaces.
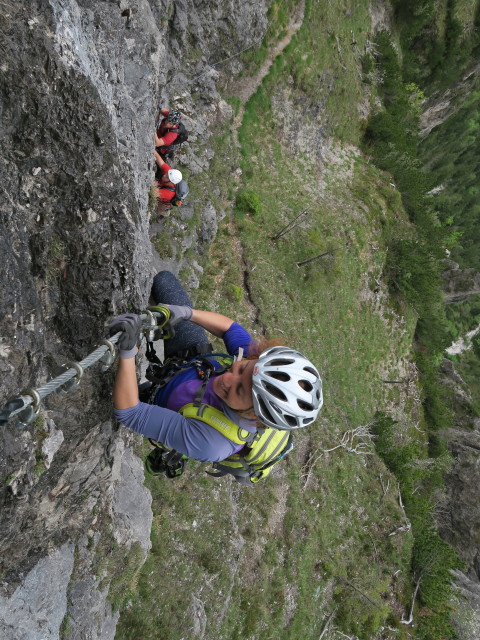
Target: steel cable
{"x":28,"y":397}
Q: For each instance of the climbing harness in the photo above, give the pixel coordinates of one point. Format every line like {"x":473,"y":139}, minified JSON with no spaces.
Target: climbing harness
{"x":260,"y":451}
{"x":27,"y":405}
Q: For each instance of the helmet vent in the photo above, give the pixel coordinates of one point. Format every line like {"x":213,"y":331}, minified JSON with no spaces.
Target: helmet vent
{"x":281,"y":362}
{"x":278,"y":375}
{"x":265,"y":413}
{"x":291,"y":420}
{"x":304,"y":405}
{"x":276,"y":393}
{"x":306,"y":384}
{"x":312,"y":371}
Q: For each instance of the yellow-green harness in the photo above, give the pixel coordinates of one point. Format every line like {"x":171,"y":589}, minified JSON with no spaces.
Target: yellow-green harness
{"x":261,"y":450}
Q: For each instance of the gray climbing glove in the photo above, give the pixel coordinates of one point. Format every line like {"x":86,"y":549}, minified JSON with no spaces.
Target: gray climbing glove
{"x":178,"y":313}
{"x":130,"y":324}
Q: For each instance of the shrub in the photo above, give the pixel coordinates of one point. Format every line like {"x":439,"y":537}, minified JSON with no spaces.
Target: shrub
{"x":152,"y":198}
{"x":237,"y":292}
{"x":248,"y":202}
{"x":413,"y":271}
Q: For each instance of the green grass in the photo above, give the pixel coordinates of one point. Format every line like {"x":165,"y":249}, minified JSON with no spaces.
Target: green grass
{"x":315,"y":537}
{"x":279,"y":15}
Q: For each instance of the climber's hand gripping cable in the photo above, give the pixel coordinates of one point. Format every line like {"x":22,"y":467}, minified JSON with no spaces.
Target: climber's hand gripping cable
{"x":124,"y":330}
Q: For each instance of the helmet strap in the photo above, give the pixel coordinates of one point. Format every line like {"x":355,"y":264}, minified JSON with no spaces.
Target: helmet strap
{"x":239,"y":356}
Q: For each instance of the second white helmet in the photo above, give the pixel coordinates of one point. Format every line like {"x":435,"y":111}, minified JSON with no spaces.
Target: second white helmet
{"x":175,"y":176}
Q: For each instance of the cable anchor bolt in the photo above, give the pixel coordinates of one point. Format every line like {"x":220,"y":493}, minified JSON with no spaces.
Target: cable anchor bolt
{"x":75,"y":381}
{"x":32,"y":411}
{"x":108,"y":357}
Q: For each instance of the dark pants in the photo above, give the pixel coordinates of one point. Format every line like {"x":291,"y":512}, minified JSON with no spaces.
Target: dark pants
{"x":189,"y":339}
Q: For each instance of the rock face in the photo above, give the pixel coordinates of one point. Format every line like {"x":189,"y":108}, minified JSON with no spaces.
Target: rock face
{"x":459,"y":515}
{"x":467,"y":608}
{"x":80,"y":81}
{"x":459,"y":284}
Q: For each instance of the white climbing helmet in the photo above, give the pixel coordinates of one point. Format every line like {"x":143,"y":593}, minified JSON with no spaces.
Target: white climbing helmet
{"x":287,"y":389}
{"x":175,"y":176}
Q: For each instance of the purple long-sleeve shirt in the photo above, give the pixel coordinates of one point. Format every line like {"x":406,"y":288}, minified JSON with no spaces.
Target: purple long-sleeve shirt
{"x":194,"y":438}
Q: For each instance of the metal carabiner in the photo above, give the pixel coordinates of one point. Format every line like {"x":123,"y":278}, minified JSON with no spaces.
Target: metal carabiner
{"x":150,"y":332}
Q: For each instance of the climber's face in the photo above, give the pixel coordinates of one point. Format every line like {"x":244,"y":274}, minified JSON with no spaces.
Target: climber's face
{"x":164,"y":179}
{"x":234,"y":387}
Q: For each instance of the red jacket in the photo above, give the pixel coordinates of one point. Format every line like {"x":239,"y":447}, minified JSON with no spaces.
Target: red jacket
{"x":168,"y":135}
{"x":165,"y":195}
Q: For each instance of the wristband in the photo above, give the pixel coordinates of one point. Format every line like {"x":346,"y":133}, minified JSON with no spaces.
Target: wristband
{"x":127,"y":354}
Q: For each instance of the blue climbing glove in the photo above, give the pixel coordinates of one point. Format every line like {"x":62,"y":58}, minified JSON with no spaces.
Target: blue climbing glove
{"x":178,"y":313}
{"x":130,"y":324}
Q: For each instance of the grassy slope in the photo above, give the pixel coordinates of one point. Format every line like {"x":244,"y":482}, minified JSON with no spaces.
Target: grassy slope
{"x":313,"y":538}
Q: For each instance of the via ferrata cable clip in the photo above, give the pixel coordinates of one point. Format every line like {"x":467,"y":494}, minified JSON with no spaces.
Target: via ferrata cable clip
{"x":151,"y":328}
{"x":32,"y":411}
{"x":108,"y":357}
{"x":162,"y":317}
{"x":75,"y":381}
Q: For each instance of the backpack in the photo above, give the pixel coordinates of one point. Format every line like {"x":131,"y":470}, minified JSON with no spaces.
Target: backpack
{"x":261,"y":451}
{"x":181,"y":192}
{"x":182,"y":135}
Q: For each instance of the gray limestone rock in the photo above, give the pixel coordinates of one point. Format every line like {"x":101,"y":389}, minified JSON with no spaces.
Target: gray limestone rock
{"x":81,"y":81}
{"x":38,"y":605}
{"x":209,"y":224}
{"x":466,"y":607}
{"x":131,"y":504}
{"x":459,"y":284}
{"x":52,"y":442}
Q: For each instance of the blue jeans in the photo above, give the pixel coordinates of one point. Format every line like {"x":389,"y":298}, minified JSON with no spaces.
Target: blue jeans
{"x":189,"y":336}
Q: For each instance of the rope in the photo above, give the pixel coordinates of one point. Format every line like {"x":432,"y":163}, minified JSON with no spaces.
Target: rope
{"x":28,"y":403}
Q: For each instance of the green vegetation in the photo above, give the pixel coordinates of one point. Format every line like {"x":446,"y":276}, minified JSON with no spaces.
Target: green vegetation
{"x":56,"y":257}
{"x":278,"y":17}
{"x":247,"y":202}
{"x":432,"y":558}
{"x":152,"y":198}
{"x":326,"y":533}
{"x":65,"y":627}
{"x":237,"y":293}
{"x":438,"y":39}
{"x":163,"y":244}
{"x":452,"y":154}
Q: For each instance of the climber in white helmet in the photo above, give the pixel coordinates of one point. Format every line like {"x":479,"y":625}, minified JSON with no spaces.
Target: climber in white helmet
{"x":172,"y":189}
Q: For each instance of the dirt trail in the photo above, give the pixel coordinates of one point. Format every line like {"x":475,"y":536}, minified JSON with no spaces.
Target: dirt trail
{"x":244,"y":89}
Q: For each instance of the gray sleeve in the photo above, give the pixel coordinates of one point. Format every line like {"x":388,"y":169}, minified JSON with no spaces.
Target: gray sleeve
{"x":193,"y":438}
